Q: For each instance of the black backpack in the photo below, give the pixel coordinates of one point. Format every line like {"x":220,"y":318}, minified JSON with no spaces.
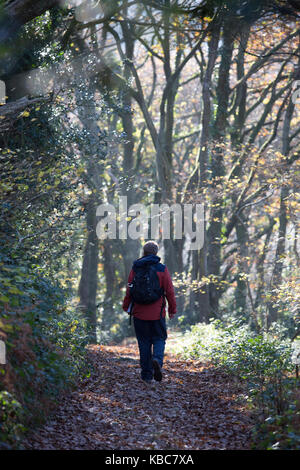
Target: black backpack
{"x":145,"y":287}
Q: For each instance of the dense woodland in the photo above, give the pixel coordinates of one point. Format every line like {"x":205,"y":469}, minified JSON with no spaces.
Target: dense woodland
{"x":163,"y":101}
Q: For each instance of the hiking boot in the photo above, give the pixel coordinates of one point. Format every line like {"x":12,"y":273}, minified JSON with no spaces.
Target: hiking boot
{"x":157,"y":370}
{"x":147,"y":381}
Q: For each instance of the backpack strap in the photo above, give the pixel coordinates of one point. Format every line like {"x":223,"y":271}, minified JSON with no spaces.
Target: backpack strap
{"x":163,"y":328}
{"x":162,"y":305}
{"x":130,"y":311}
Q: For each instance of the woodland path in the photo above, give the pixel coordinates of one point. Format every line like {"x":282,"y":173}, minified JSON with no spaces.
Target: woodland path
{"x":195,"y":407}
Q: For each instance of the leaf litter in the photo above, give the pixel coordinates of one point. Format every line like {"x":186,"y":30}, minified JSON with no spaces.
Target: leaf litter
{"x":195,"y":407}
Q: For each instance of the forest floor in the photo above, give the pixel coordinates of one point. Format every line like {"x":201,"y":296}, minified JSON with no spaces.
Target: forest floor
{"x":195,"y":407}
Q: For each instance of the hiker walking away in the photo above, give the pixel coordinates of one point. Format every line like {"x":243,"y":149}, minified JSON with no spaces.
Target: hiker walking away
{"x":149,"y":284}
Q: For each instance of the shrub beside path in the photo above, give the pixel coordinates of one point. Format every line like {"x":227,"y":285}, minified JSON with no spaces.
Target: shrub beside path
{"x":195,"y":407}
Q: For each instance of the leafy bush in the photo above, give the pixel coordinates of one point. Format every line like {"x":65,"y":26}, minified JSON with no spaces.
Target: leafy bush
{"x":264,"y":364}
{"x":45,"y":340}
{"x":10,"y":416}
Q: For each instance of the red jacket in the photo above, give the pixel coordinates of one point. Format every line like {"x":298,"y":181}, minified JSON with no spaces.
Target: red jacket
{"x":152,"y":311}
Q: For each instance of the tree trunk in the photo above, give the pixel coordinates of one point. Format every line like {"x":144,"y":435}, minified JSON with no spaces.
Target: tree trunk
{"x":130,"y":248}
{"x":284,"y":192}
{"x":242,"y":236}
{"x":88,"y":281}
{"x":92,"y":153}
{"x":217,"y":164}
{"x":110,"y":284}
{"x":241,"y":288}
{"x":202,"y":297}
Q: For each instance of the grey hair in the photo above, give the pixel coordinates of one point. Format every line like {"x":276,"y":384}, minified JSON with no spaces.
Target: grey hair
{"x":150,"y":248}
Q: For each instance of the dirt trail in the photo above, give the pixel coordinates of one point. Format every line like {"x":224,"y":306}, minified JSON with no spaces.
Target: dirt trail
{"x":195,"y":407}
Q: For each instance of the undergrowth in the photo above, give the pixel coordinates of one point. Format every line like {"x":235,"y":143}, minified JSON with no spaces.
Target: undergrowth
{"x":45,"y":342}
{"x":264,"y":364}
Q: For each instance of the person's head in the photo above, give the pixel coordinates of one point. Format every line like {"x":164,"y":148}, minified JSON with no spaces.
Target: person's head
{"x":150,"y":248}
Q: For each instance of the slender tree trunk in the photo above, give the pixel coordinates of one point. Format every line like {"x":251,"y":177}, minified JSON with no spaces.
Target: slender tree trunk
{"x":241,"y":288}
{"x":284,"y":192}
{"x":130,"y":248}
{"x":242,"y":236}
{"x":261,"y":284}
{"x":88,"y":281}
{"x":217,"y":164}
{"x":199,"y":300}
{"x":172,"y":247}
{"x":110,"y":284}
{"x":92,"y":152}
{"x":202,"y":297}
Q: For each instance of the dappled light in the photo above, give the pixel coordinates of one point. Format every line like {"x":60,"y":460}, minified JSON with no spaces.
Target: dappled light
{"x":193,"y":408}
{"x":149,"y":225}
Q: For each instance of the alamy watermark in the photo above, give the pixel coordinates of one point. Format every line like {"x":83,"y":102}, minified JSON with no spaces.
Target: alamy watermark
{"x":296,"y":92}
{"x":2,"y":352}
{"x":2,"y":92}
{"x":152,"y":221}
{"x":296,"y":352}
